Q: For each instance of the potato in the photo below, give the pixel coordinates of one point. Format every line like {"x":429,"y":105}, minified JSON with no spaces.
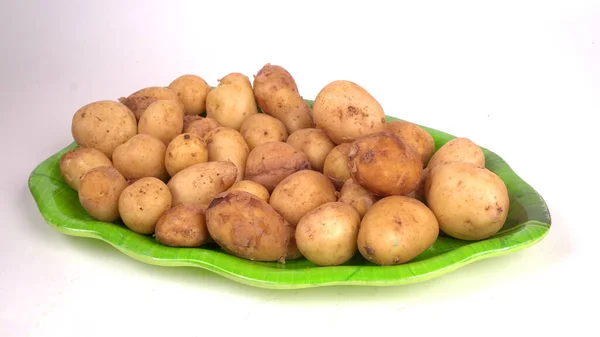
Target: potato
{"x":138,"y":101}
{"x":141,"y":156}
{"x":356,"y":196}
{"x":103,"y":125}
{"x":262,"y":128}
{"x":184,"y":151}
{"x":99,"y":192}
{"x":248,"y":227}
{"x":346,"y":111}
{"x":187,"y":119}
{"x":395,"y":230}
{"x":200,"y":183}
{"x":327,"y":235}
{"x":335,"y":166}
{"x":414,"y":136}
{"x":269,"y":163}
{"x":277,"y":95}
{"x":314,"y":143}
{"x":231,"y":101}
{"x":192,"y":91}
{"x":251,"y":187}
{"x":300,"y":193}
{"x":182,"y":226}
{"x":142,"y":203}
{"x":74,"y":163}
{"x":201,"y":127}
{"x":458,"y":149}
{"x":162,"y":119}
{"x":419,"y":192}
{"x":383,"y":165}
{"x":224,"y":144}
{"x":470,"y":202}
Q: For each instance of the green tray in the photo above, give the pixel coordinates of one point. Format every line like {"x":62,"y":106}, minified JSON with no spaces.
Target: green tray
{"x":528,"y":222}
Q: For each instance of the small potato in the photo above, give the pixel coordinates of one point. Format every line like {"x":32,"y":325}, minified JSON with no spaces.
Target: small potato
{"x":419,"y":192}
{"x":269,"y":163}
{"x":314,"y":143}
{"x":182,"y":226}
{"x":99,"y":192}
{"x":103,"y":125}
{"x":225,"y":144}
{"x":142,"y":203}
{"x":192,"y":91}
{"x":356,"y":196}
{"x":238,"y":79}
{"x":300,"y":193}
{"x":414,"y":136}
{"x":346,"y":111}
{"x":251,"y":187}
{"x":162,"y":119}
{"x":335,"y":166}
{"x":248,"y":227}
{"x":141,"y":156}
{"x":327,"y":235}
{"x":458,"y":149}
{"x":74,"y":163}
{"x":231,"y":101}
{"x":470,"y":202}
{"x":184,"y":151}
{"x":201,"y":127}
{"x":384,"y":165}
{"x":395,"y":230}
{"x":141,"y":99}
{"x":262,"y":128}
{"x":200,"y":183}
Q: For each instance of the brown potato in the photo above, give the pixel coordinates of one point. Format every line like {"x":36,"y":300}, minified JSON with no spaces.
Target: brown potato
{"x":414,"y":136}
{"x":99,"y":192}
{"x":201,"y":127}
{"x":335,"y":166}
{"x":458,"y":149}
{"x":262,"y":128}
{"x":142,"y":203}
{"x":200,"y":183}
{"x":182,"y":226}
{"x":74,"y":163}
{"x":383,"y":165}
{"x":346,"y":111}
{"x":231,"y":101}
{"x":314,"y":143}
{"x":141,"y":156}
{"x":192,"y":91}
{"x":138,"y":101}
{"x":251,"y":187}
{"x":327,"y":235}
{"x":248,"y":227}
{"x":395,"y":230}
{"x":162,"y":119}
{"x":269,"y":163}
{"x":103,"y":125}
{"x":224,"y":144}
{"x":356,"y":196}
{"x":184,"y":151}
{"x":187,"y":119}
{"x":419,"y":192}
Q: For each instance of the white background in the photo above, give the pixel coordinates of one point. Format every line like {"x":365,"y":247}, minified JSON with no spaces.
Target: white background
{"x":519,"y":77}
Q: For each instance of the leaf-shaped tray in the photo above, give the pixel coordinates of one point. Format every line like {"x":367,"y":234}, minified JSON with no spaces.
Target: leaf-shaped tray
{"x":528,"y":222}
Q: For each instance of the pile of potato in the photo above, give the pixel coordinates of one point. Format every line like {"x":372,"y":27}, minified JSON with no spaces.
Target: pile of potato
{"x":190,"y":164}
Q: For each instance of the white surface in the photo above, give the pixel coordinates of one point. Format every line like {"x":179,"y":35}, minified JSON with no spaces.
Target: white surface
{"x":519,"y":77}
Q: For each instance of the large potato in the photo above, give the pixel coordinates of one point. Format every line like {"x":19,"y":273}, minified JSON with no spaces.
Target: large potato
{"x":458,"y":149}
{"x":356,"y":196}
{"x":103,"y":125}
{"x":99,"y":192}
{"x":251,"y":187}
{"x":74,"y":163}
{"x":192,"y":91}
{"x":142,"y":203}
{"x":262,"y":128}
{"x":384,"y":165}
{"x":182,"y":226}
{"x":225,"y":144}
{"x":269,"y":163}
{"x":184,"y":151}
{"x":141,"y":156}
{"x":248,"y":227}
{"x":200,"y":183}
{"x":346,"y":111}
{"x":335,"y":166}
{"x":277,"y":95}
{"x":162,"y":119}
{"x":470,"y":202}
{"x":201,"y":127}
{"x":314,"y":143}
{"x":138,"y":101}
{"x":231,"y":101}
{"x":395,"y":230}
{"x":327,"y":235}
{"x":414,"y":136}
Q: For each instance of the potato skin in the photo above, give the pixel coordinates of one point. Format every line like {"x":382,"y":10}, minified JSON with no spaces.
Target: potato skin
{"x":138,"y":101}
{"x":142,"y":203}
{"x":395,"y":230}
{"x":192,"y":91}
{"x":356,"y":196}
{"x":200,"y":183}
{"x":262,"y":128}
{"x":99,"y":192}
{"x":141,"y":156}
{"x":183,"y":226}
{"x":458,"y":149}
{"x":253,"y":188}
{"x":470,"y":202}
{"x":201,"y":127}
{"x":103,"y":125}
{"x":162,"y":119}
{"x":187,"y":119}
{"x":346,"y":111}
{"x":314,"y":143}
{"x":269,"y":163}
{"x":224,"y":144}
{"x":74,"y":163}
{"x":231,"y":101}
{"x":248,"y":227}
{"x":335,"y":166}
{"x":414,"y":136}
{"x":384,"y":165}
{"x":184,"y":151}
